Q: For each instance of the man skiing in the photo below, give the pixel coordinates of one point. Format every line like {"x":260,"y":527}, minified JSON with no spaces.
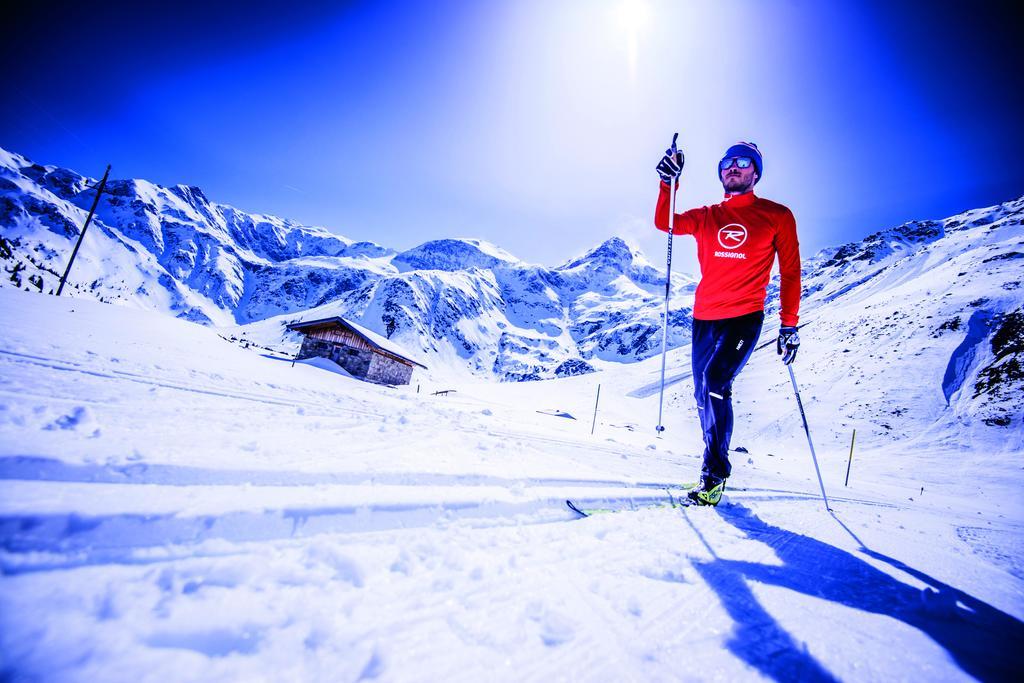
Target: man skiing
{"x":737,"y":241}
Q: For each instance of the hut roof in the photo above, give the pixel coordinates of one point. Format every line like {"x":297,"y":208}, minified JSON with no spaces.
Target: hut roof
{"x":372,"y":338}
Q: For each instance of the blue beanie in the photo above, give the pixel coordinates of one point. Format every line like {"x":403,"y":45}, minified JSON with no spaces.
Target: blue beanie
{"x":745,"y":149}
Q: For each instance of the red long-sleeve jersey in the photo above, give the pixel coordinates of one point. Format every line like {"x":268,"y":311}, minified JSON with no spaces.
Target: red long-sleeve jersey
{"x":737,"y":241}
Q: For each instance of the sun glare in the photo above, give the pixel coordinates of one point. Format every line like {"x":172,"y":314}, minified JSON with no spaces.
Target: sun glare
{"x":629,"y":18}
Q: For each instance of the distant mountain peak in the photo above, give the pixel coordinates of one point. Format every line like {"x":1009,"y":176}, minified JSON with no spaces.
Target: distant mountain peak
{"x":615,"y":252}
{"x":453,"y":254}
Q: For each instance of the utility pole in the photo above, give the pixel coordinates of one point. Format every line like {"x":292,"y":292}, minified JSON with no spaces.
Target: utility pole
{"x":74,"y":253}
{"x":850,"y":461}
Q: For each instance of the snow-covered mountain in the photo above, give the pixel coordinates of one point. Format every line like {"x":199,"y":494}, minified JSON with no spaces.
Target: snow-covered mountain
{"x":927,"y":310}
{"x":170,"y":249}
{"x":466,"y":303}
{"x":462,"y":302}
{"x":929,"y":307}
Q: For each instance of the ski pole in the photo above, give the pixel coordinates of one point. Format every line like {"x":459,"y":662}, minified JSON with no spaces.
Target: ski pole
{"x":807,"y":431}
{"x":668,"y":281}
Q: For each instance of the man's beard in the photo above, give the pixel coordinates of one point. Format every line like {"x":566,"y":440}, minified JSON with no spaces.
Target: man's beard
{"x":736,"y":184}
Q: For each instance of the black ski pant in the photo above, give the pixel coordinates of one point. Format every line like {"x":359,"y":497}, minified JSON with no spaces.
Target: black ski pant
{"x":720,"y":350}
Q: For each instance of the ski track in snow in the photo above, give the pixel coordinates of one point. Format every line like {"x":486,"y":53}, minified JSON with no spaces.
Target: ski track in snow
{"x":214,"y":514}
{"x":109,"y":537}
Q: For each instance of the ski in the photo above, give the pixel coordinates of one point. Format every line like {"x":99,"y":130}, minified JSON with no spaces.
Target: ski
{"x":631,"y":505}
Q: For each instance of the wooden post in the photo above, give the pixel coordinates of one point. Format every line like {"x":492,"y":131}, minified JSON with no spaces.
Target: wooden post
{"x":850,"y":461}
{"x":95,"y":201}
{"x":596,"y":401}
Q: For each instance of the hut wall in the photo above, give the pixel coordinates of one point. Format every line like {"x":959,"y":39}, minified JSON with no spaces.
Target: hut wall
{"x":356,"y":362}
{"x":387,"y":371}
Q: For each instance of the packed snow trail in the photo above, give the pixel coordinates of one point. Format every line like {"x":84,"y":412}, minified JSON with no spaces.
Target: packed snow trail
{"x":175,"y":507}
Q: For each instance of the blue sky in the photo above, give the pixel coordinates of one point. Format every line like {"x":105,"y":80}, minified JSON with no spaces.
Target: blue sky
{"x":534,"y":125}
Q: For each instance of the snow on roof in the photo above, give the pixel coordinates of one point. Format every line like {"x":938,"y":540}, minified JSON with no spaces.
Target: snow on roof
{"x":377,"y":340}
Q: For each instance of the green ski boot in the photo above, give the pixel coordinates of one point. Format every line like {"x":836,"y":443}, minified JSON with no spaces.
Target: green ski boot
{"x":708,"y":492}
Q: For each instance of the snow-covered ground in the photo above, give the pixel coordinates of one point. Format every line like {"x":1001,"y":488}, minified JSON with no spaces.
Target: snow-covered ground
{"x":176,"y":507}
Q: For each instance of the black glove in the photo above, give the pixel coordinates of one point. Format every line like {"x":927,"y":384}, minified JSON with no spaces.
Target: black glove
{"x":671,"y":165}
{"x":788,"y":344}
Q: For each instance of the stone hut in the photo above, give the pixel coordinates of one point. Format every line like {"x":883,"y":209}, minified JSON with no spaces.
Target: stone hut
{"x":360,"y":352}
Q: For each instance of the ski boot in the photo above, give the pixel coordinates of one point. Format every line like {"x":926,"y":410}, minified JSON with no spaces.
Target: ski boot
{"x":707,"y":492}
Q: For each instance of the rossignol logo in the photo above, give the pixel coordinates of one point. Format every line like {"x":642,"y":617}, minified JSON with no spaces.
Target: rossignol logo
{"x":732,"y":236}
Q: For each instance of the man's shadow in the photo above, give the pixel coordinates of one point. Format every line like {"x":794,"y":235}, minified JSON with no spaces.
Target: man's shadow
{"x":984,"y":641}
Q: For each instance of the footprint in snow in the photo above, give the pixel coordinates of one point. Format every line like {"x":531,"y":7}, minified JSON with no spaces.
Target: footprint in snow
{"x":555,"y":629}
{"x":80,"y":419}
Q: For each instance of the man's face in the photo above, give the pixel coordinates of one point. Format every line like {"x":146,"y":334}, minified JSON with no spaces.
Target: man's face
{"x":736,"y":179}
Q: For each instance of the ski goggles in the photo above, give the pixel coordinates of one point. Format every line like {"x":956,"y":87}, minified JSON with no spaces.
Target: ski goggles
{"x":741,"y":162}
